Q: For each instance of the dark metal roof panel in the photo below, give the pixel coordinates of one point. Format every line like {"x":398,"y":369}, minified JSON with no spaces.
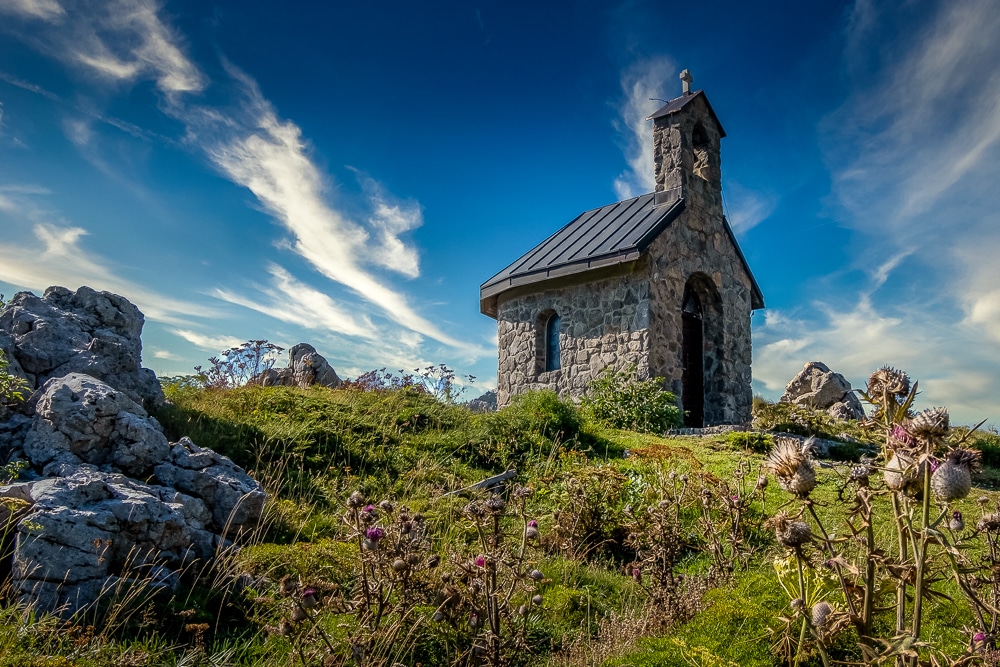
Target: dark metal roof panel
{"x":601,"y":236}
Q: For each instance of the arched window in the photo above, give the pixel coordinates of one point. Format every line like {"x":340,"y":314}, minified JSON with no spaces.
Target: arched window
{"x":552,"y":342}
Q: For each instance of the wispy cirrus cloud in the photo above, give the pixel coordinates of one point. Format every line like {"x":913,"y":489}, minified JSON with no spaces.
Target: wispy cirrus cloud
{"x":210,"y":342}
{"x":126,"y":41}
{"x":913,"y":155}
{"x":46,"y":10}
{"x":55,"y":254}
{"x":747,"y":208}
{"x":83,"y":34}
{"x":57,"y":257}
{"x":291,"y":300}
{"x":642,"y":80}
{"x":267,"y":155}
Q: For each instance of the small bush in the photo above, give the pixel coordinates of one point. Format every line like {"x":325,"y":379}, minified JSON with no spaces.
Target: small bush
{"x":749,"y":440}
{"x":532,"y":424}
{"x":617,"y":399}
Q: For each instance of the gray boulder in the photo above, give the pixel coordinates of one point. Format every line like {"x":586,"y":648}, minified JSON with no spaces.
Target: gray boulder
{"x":236,"y":500}
{"x":95,"y":534}
{"x":79,"y":419}
{"x":306,"y":367}
{"x":817,"y":387}
{"x":85,"y":528}
{"x":86,"y":331}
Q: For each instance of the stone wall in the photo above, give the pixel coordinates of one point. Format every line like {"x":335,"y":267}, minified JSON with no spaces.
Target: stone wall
{"x":604,"y":323}
{"x":696,"y":249}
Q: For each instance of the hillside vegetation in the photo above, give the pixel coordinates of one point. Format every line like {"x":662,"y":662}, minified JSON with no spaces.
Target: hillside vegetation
{"x":604,"y":547}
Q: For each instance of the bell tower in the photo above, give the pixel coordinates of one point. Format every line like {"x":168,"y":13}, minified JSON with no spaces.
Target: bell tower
{"x":686,"y":159}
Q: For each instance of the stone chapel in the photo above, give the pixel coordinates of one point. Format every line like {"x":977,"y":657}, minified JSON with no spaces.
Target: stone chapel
{"x":657,"y":281}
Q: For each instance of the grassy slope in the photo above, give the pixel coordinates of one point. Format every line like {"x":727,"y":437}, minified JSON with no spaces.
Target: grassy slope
{"x":408,"y":446}
{"x":312,"y":448}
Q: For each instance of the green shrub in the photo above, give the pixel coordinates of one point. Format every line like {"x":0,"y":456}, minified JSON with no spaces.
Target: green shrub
{"x":531,"y":425}
{"x":12,"y":387}
{"x":988,"y":445}
{"x":753,"y":441}
{"x":617,"y":399}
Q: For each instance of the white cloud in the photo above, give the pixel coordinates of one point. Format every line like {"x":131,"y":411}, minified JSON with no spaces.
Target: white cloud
{"x":388,"y":220}
{"x":642,"y":80}
{"x":213,"y":343}
{"x":291,"y":300}
{"x":56,"y":257}
{"x":269,"y":157}
{"x":165,"y":354}
{"x":126,"y":41}
{"x":47,"y":10}
{"x":747,"y":208}
{"x":914,"y":153}
{"x":117,"y":40}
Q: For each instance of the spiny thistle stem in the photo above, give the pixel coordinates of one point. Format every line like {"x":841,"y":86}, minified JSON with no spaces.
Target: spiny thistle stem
{"x":918,"y":594}
{"x":802,"y":597}
{"x":901,"y":584}
{"x":836,"y":564}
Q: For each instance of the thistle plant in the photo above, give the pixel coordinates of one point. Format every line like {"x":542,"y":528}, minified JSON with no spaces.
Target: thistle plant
{"x":491,"y":596}
{"x":921,"y":476}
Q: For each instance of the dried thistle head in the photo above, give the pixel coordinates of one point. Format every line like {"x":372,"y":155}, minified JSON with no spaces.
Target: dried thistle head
{"x":888,"y":381}
{"x":821,"y":612}
{"x":790,"y":532}
{"x":903,"y":472}
{"x":990,"y":523}
{"x":791,"y":464}
{"x":929,"y":425}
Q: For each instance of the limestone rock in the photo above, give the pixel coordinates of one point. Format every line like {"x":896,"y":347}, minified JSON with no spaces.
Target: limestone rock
{"x":78,"y":531}
{"x":487,"y":402}
{"x":97,"y":333}
{"x":816,"y":386}
{"x":306,"y":367}
{"x":86,"y":528}
{"x":236,"y":499}
{"x":81,"y":419}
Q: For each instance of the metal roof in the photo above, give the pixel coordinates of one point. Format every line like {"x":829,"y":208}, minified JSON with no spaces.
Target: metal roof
{"x":611,"y":234}
{"x":675,"y":105}
{"x":602,"y":237}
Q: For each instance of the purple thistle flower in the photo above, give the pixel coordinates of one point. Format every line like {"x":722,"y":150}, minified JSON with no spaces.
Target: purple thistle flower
{"x":979,"y":637}
{"x":368,"y":509}
{"x":309,"y":591}
{"x":934,"y":464}
{"x":374,"y":533}
{"x":480,"y":561}
{"x":532,"y":524}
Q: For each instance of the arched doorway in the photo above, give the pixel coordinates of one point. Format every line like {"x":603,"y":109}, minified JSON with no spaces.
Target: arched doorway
{"x":692,"y":359}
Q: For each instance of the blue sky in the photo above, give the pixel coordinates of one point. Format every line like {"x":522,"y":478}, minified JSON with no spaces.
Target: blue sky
{"x":348,"y":174}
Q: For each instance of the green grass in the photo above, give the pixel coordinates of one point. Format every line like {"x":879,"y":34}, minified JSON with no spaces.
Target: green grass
{"x":313,"y":448}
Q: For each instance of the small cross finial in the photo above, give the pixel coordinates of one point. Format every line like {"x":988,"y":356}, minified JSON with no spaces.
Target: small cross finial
{"x":687,"y":79}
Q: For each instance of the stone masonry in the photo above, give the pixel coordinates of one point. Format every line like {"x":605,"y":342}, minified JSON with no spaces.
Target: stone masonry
{"x":605,"y":323}
{"x":629,"y":313}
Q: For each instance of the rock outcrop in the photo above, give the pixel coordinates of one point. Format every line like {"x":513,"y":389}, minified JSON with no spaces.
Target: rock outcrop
{"x":306,"y":367}
{"x":487,"y":402}
{"x":816,"y":386}
{"x":96,"y":333}
{"x":104,"y":504}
